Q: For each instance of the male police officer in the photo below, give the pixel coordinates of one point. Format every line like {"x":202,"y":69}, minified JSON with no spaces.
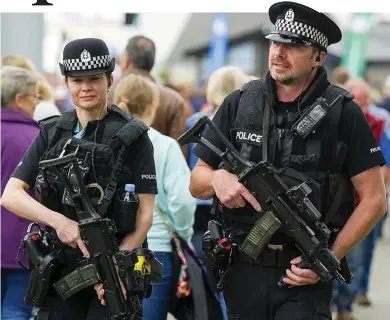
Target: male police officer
{"x":112,"y":148}
{"x":340,"y":155}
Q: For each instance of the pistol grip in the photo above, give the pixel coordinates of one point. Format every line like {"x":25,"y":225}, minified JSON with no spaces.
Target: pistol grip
{"x":303,"y":264}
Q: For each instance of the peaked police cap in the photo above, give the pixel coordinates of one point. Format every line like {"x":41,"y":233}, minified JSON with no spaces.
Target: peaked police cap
{"x":86,"y":57}
{"x":298,"y":24}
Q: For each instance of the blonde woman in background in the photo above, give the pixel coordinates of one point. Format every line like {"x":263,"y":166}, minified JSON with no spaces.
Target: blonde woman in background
{"x":220,"y":84}
{"x":139,"y":96}
{"x":46,"y":106}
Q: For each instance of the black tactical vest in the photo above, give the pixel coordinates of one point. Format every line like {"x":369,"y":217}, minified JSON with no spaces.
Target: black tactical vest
{"x":103,"y":157}
{"x":316,"y":160}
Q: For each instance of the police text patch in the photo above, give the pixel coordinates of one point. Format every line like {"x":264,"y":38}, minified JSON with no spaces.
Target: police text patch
{"x":245,"y":136}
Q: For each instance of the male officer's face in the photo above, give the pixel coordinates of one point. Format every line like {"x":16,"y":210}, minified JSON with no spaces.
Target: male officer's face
{"x":290,"y":64}
{"x":88,"y":92}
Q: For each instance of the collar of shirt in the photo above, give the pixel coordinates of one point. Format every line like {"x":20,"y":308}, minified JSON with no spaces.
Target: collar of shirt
{"x":76,"y":131}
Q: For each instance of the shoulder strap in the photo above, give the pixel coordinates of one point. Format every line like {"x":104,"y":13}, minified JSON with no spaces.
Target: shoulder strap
{"x":48,"y":120}
{"x":253,"y":87}
{"x":130,"y":132}
{"x":46,"y":124}
{"x":58,"y":123}
{"x":330,"y":94}
{"x":120,"y":112}
{"x":67,"y":120}
{"x":245,"y":87}
{"x":64,"y":122}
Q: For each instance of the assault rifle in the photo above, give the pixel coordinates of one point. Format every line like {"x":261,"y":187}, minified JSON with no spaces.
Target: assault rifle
{"x":283,"y":208}
{"x":107,"y":265}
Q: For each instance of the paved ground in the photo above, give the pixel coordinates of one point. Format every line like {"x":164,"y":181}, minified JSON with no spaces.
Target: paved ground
{"x":379,"y":286}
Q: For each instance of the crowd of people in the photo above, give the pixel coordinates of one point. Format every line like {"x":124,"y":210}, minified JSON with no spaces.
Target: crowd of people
{"x":27,"y":97}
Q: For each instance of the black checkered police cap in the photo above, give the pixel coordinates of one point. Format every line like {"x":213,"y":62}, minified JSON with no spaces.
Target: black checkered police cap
{"x":298,"y":24}
{"x":86,"y":57}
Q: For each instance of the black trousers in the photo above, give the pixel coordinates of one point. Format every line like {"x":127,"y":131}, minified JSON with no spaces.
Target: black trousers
{"x":83,"y":305}
{"x":251,"y":293}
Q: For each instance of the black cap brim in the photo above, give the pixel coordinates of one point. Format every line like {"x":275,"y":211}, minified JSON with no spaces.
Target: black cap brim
{"x":288,"y":39}
{"x":87,"y":72}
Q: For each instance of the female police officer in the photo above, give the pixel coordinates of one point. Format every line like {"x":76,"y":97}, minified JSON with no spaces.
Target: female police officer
{"x":95,"y":130}
{"x":340,"y":152}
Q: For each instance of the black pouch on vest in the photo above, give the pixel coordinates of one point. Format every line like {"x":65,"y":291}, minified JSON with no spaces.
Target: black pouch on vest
{"x":46,"y":194}
{"x":340,"y":200}
{"x":124,"y":213}
{"x":293,"y":177}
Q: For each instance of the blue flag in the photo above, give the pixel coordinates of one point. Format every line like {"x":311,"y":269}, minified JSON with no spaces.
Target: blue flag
{"x":219,"y":43}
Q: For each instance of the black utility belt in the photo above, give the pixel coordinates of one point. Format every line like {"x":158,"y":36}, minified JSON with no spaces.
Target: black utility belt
{"x":271,"y":256}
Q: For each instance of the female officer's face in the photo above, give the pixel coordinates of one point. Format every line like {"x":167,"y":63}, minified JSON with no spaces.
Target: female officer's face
{"x":290,"y":64}
{"x":88,"y":92}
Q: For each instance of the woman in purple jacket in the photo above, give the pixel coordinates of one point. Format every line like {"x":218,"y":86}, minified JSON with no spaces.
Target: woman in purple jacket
{"x":19,"y":97}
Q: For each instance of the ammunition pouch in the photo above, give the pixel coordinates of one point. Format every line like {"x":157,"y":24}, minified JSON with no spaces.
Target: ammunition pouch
{"x":341,"y":201}
{"x":46,"y":194}
{"x":331,"y":193}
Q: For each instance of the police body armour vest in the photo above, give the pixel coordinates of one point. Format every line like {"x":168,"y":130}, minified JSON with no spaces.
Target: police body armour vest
{"x":103,"y":163}
{"x":316,"y":160}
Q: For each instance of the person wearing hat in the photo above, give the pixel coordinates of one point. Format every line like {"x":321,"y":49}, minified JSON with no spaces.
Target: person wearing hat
{"x":340,"y":155}
{"x":115,"y":150}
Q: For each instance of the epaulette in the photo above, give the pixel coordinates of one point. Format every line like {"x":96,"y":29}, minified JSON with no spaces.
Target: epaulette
{"x":345,"y":93}
{"x":245,"y":86}
{"x":119,"y":111}
{"x":132,"y":131}
{"x":48,"y":121}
